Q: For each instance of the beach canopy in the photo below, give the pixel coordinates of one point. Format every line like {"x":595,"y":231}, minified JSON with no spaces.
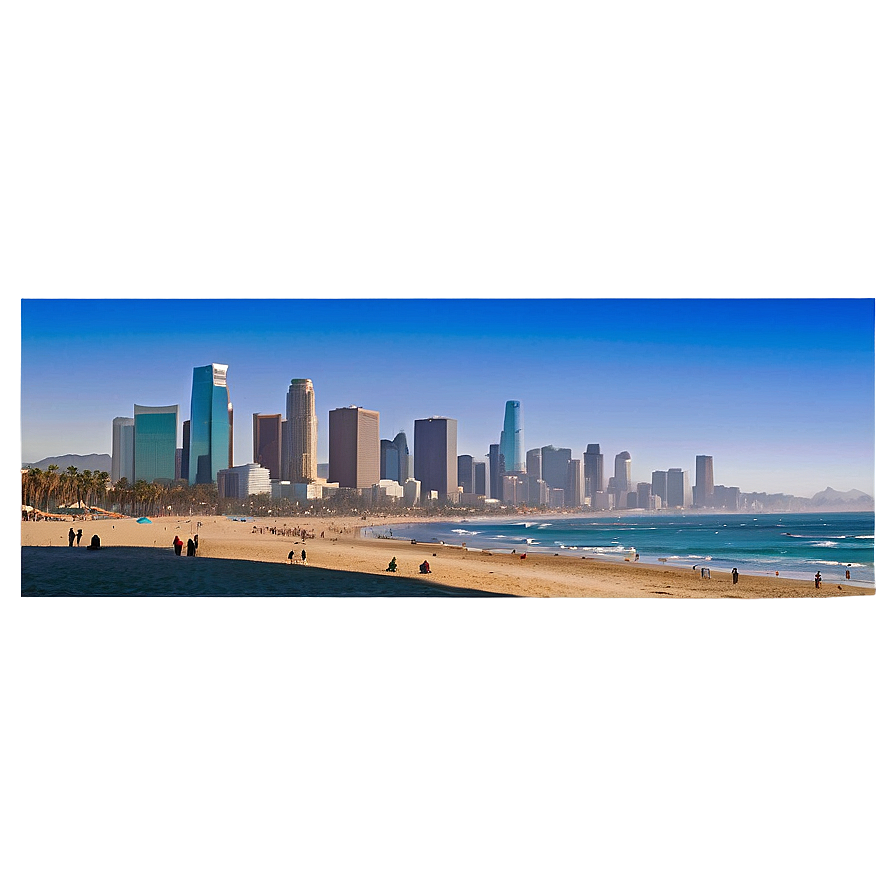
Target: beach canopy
{"x":143,"y":519}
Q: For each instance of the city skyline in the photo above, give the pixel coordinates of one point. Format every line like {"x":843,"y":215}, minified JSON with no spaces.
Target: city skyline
{"x":779,"y":392}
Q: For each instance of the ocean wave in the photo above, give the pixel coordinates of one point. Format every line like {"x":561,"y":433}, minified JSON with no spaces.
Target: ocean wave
{"x":863,"y":536}
{"x":824,"y":544}
{"x":464,"y":532}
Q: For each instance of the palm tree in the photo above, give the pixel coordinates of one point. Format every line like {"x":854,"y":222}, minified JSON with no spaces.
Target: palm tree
{"x":102,"y":486}
{"x":52,"y":482}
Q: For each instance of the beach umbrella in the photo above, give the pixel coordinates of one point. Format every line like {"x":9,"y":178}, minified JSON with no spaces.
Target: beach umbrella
{"x":143,"y":519}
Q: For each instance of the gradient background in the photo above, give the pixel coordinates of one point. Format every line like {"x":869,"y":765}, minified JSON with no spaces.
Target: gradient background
{"x":484,"y":149}
{"x":779,"y":392}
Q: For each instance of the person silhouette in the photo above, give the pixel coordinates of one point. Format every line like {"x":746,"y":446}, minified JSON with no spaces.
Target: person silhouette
{"x":78,"y":538}
{"x":71,"y":537}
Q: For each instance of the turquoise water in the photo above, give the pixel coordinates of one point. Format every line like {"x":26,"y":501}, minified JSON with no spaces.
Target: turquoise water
{"x":796,"y":545}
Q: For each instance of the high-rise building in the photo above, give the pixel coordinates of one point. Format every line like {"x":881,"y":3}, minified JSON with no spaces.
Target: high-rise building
{"x":267,"y":442}
{"x":240,"y":482}
{"x":623,"y":472}
{"x":644,"y":495}
{"x":575,"y":484}
{"x":155,"y":442}
{"x":211,"y":424}
{"x":678,"y":488}
{"x":465,"y":473}
{"x":395,"y":459}
{"x":122,"y":449}
{"x":659,"y":484}
{"x":184,"y":470}
{"x":354,"y":447}
{"x":299,"y":451}
{"x":533,"y":462}
{"x":511,"y":444}
{"x":480,"y":478}
{"x":703,"y":486}
{"x":495,"y":471}
{"x":594,"y":469}
{"x":435,"y":455}
{"x":554,"y":466}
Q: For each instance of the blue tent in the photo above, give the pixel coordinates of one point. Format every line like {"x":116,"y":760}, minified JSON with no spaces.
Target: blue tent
{"x":143,"y":519}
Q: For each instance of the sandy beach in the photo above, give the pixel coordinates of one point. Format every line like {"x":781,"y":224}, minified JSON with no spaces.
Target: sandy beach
{"x":246,"y":558}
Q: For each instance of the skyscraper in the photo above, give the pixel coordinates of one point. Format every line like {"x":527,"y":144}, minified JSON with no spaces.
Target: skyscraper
{"x":511,"y":444}
{"x":659,"y":484}
{"x":299,"y":451}
{"x":593,"y":469}
{"x":533,"y":463}
{"x":267,"y":430}
{"x":155,"y":442}
{"x":435,"y":455}
{"x":122,"y":449}
{"x":184,"y":471}
{"x":465,"y":473}
{"x":480,"y":478}
{"x":623,"y":472}
{"x":554,"y":465}
{"x":574,"y":495}
{"x":395,"y":459}
{"x":703,"y":485}
{"x":678,"y":488}
{"x":354,"y":447}
{"x":495,"y":471}
{"x":211,"y":424}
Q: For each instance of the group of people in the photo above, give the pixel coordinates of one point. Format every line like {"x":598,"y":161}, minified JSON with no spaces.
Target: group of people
{"x":192,"y":545}
{"x":74,"y":540}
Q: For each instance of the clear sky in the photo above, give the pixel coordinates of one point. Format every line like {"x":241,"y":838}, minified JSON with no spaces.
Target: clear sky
{"x":779,"y":392}
{"x":460,"y":150}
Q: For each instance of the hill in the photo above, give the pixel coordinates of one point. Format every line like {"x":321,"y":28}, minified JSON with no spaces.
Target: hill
{"x":102,"y":462}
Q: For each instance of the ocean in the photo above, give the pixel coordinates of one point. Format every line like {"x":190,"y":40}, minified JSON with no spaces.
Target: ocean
{"x":795,"y":545}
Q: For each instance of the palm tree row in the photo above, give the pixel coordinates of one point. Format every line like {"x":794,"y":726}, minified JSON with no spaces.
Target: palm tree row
{"x":44,"y":488}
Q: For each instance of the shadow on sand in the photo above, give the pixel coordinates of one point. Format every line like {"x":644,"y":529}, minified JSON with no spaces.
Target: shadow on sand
{"x":157,"y":572}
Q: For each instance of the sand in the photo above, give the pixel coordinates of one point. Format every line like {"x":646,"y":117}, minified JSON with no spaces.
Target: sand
{"x":234,"y":560}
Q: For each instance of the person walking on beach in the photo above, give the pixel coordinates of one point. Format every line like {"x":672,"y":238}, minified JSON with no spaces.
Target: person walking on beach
{"x":818,"y":580}
{"x":304,"y":558}
{"x":847,"y":573}
{"x":196,"y":543}
{"x":291,"y":556}
{"x":178,"y":545}
{"x":71,"y":537}
{"x":78,"y":538}
{"x":191,"y":548}
{"x":734,"y":575}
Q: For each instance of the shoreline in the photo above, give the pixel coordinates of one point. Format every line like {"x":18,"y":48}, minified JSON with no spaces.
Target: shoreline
{"x":338,"y":551}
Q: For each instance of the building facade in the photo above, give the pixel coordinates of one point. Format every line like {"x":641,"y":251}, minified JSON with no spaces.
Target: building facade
{"x":554,"y":466}
{"x":593,"y":463}
{"x":678,"y":488}
{"x":240,"y":482}
{"x":122,"y":449}
{"x":354,"y":447}
{"x":155,"y":442}
{"x":575,"y":484}
{"x":435,"y":455}
{"x":703,"y":485}
{"x":211,"y":424}
{"x":495,"y":471}
{"x":511,"y":443}
{"x":480,"y":478}
{"x":465,"y":473}
{"x":299,"y":449}
{"x":267,"y":442}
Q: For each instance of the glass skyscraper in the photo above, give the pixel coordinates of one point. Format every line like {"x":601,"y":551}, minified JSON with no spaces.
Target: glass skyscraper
{"x":122,"y":449}
{"x":511,"y":444}
{"x":211,"y":424}
{"x":155,"y":442}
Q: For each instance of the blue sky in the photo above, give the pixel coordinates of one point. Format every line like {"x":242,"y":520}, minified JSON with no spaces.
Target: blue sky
{"x":442,"y":150}
{"x":779,"y":392}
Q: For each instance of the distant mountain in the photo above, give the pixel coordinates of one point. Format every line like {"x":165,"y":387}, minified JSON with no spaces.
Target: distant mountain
{"x":102,"y":462}
{"x":830,"y":498}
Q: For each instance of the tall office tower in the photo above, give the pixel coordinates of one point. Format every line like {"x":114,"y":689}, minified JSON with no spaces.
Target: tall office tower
{"x":594,"y":469}
{"x":659,"y":484}
{"x":184,"y":471}
{"x":354,"y":447}
{"x":299,"y":453}
{"x":395,"y":459}
{"x":533,"y":463}
{"x":465,"y":473}
{"x":435,"y":455}
{"x":122,"y":449}
{"x":211,"y":424}
{"x":623,"y":471}
{"x":267,"y":447}
{"x":574,"y":495}
{"x":703,"y":486}
{"x":644,"y":495}
{"x":495,"y":471}
{"x":155,"y":442}
{"x":554,"y":465}
{"x":678,"y":488}
{"x":511,"y":444}
{"x":480,"y":478}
